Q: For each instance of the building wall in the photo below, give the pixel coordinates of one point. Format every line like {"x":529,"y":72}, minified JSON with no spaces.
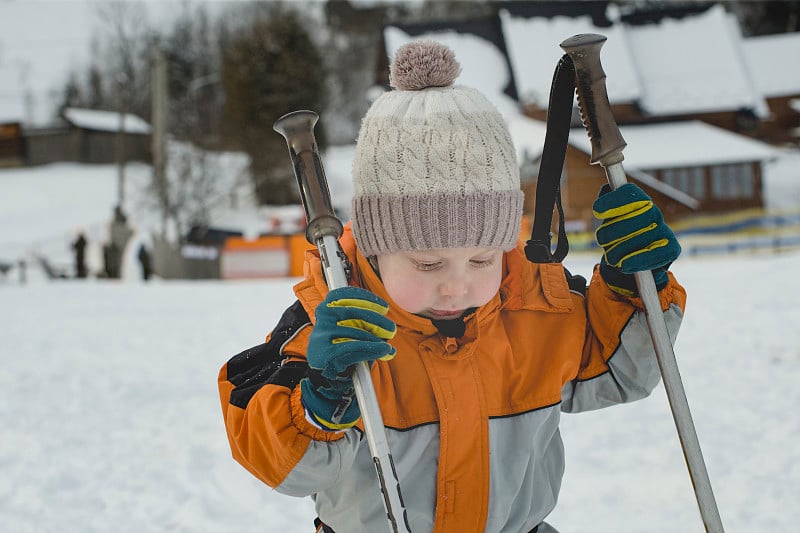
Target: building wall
{"x":582,"y":182}
{"x":82,"y":146}
{"x":12,"y":144}
{"x":783,"y":125}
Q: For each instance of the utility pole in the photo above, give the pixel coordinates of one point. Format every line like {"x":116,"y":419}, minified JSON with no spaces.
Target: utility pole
{"x":159,"y":134}
{"x":120,"y":143}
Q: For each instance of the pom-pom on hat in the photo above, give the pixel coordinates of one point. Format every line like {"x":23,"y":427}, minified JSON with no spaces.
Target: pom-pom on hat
{"x":435,"y":165}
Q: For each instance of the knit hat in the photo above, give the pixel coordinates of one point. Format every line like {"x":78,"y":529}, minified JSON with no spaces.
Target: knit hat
{"x":434,"y":165}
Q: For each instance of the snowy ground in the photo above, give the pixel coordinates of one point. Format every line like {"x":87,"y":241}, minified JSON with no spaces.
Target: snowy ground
{"x":110,"y":418}
{"x":110,"y":421}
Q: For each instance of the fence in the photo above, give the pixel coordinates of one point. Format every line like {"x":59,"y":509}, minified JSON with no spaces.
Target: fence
{"x":750,"y":230}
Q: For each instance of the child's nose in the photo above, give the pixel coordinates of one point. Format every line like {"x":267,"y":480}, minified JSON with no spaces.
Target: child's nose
{"x":454,"y":285}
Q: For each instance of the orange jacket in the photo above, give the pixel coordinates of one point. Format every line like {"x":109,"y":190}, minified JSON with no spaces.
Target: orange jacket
{"x":472,"y":422}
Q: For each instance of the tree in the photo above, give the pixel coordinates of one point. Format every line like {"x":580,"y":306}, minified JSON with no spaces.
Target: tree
{"x":194,"y":88}
{"x":268,"y":69}
{"x":763,"y":18}
{"x":122,"y":52}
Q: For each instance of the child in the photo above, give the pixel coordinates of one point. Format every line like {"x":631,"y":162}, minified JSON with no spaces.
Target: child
{"x":475,"y":351}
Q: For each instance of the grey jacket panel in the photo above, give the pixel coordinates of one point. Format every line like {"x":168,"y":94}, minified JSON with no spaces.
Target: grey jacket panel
{"x":633,"y":369}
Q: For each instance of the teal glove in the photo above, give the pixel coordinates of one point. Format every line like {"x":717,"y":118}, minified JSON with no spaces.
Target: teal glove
{"x":351,"y":327}
{"x":634,"y":238}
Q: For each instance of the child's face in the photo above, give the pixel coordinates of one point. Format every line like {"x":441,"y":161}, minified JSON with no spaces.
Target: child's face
{"x":442,"y":284}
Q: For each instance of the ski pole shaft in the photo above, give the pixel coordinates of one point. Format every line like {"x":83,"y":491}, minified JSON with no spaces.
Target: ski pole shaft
{"x":607,"y":146}
{"x":324,"y":230}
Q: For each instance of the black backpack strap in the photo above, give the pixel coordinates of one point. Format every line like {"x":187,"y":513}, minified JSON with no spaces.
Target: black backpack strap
{"x":548,"y":191}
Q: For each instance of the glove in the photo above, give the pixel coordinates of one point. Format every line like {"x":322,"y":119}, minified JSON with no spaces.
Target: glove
{"x":351,"y":327}
{"x":634,"y":238}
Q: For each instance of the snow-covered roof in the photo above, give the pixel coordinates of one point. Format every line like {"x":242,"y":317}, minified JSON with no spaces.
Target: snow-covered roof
{"x":691,"y":64}
{"x":92,"y":119}
{"x":772,"y":60}
{"x":533,"y":47}
{"x":694,"y":64}
{"x":681,"y":144}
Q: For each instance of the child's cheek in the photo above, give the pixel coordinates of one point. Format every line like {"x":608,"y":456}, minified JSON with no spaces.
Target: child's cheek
{"x":408,"y":293}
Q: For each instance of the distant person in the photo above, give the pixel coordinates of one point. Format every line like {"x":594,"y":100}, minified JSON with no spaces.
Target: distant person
{"x":119,"y":235}
{"x":111,"y":261}
{"x":474,"y":350}
{"x":144,"y":261}
{"x":79,"y":247}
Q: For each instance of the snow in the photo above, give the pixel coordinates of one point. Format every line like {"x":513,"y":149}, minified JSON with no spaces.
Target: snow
{"x":92,"y":119}
{"x":533,"y":49}
{"x":682,"y":144}
{"x":770,"y":59}
{"x":110,"y":416}
{"x":715,"y":79}
{"x":644,"y":64}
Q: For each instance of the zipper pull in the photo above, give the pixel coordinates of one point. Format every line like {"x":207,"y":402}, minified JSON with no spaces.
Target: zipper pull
{"x":451,"y":345}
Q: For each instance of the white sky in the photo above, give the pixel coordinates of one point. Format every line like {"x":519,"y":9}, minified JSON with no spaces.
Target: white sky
{"x":40,"y":42}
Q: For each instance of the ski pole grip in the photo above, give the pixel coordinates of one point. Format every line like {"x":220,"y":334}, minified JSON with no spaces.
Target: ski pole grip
{"x":297,"y":128}
{"x":590,"y":81}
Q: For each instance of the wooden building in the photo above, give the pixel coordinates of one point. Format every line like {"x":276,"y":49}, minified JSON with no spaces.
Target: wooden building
{"x":90,"y":136}
{"x":687,"y":167}
{"x":12,"y":144}
{"x":691,"y":125}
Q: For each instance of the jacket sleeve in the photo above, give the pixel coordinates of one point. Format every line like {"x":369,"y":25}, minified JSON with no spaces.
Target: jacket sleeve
{"x":619,"y":363}
{"x":265,"y":421}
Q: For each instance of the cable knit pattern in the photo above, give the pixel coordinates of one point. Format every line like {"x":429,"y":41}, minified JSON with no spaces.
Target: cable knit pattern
{"x":435,"y":167}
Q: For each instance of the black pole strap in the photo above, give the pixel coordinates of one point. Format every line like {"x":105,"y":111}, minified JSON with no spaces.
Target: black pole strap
{"x":548,"y":192}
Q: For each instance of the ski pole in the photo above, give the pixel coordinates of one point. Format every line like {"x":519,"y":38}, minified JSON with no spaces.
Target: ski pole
{"x":607,"y":145}
{"x":323,"y":230}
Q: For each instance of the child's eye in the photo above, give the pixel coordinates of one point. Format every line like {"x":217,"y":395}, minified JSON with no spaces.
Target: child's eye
{"x":425,"y":266}
{"x":483,"y":263}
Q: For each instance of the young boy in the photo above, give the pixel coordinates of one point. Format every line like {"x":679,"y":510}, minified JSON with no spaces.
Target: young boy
{"x":475,"y":351}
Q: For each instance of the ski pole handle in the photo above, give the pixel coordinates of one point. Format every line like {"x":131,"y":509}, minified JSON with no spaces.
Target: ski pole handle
{"x":324,"y":230}
{"x":607,"y":146}
{"x":590,"y":82}
{"x":298,"y":130}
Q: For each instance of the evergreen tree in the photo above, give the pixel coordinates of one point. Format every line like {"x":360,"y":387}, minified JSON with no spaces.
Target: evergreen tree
{"x":268,"y":69}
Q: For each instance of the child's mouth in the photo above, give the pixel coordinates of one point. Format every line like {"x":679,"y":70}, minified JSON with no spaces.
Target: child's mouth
{"x":446,"y":315}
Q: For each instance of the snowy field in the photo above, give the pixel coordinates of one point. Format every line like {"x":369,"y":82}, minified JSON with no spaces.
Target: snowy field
{"x":110,"y":420}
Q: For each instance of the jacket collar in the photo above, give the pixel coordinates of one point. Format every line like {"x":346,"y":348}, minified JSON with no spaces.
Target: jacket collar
{"x":519,"y":288}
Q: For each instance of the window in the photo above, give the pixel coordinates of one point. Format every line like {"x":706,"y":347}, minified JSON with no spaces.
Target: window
{"x":730,"y":182}
{"x":690,"y":180}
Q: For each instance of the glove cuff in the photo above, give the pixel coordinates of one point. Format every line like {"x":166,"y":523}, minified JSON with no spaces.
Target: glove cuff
{"x":625,"y":284}
{"x":331,"y":407}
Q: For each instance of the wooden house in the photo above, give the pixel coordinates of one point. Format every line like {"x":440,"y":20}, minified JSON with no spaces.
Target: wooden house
{"x":90,"y":136}
{"x":690,"y":118}
{"x":686,"y":167}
